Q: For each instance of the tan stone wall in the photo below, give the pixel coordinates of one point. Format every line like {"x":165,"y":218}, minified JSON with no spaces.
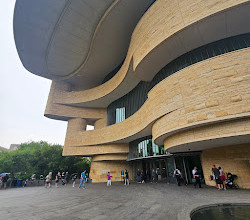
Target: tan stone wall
{"x":110,"y":157}
{"x":98,"y":171}
{"x":211,"y":91}
{"x":234,"y":159}
{"x":66,"y":112}
{"x":170,"y":17}
{"x":217,"y":131}
{"x":163,"y":20}
{"x":100,"y":123}
{"x":69,"y":150}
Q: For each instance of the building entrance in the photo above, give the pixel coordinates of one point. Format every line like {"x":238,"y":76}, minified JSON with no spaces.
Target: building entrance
{"x":161,"y":169}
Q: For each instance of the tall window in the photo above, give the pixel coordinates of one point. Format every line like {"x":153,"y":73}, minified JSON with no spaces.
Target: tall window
{"x":119,"y":115}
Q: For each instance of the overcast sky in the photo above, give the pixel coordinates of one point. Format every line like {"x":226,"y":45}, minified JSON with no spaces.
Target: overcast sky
{"x":23,"y":95}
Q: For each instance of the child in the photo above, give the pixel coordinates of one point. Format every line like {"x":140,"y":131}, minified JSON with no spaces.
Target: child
{"x":109,"y":179}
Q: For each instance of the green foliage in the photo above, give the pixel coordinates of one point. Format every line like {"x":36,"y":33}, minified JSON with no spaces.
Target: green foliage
{"x":40,"y":158}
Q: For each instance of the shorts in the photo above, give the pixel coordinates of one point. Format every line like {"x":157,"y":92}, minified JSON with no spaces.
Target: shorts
{"x":218,"y":181}
{"x":126,"y":178}
{"x":223,"y":178}
{"x":57,"y":181}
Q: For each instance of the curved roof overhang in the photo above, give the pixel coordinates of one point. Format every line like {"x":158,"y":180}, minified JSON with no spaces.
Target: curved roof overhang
{"x":78,"y":41}
{"x":148,"y":53}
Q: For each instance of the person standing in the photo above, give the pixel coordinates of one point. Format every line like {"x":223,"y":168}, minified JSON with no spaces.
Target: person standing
{"x":138,"y":176}
{"x":82,"y":180}
{"x":143,"y":177}
{"x":109,"y":179}
{"x":58,"y":176}
{"x":222,"y":177}
{"x":153,"y":175}
{"x":196,"y":176}
{"x":216,"y":173}
{"x":122,"y":176}
{"x":5,"y":180}
{"x":41,"y":180}
{"x":74,"y":180}
{"x":126,"y":178}
{"x":178,"y":176}
{"x":48,"y":180}
{"x":67,"y":177}
{"x":86,"y":176}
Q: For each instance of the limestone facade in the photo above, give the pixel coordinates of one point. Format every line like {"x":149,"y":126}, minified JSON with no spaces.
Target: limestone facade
{"x":202,"y":107}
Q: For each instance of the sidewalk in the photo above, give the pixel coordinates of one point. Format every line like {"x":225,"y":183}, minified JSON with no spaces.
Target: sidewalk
{"x":97,"y":201}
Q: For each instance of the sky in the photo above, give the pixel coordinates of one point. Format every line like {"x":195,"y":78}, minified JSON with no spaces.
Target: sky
{"x":23,"y":95}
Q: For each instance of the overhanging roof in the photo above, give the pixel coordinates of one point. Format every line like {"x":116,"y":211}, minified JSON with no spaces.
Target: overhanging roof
{"x":79,"y":40}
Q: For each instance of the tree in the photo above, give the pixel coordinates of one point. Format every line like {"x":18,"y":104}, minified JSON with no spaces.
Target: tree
{"x":40,"y":158}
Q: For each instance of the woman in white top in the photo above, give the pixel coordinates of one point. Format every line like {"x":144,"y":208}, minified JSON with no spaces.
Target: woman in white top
{"x":222,"y":177}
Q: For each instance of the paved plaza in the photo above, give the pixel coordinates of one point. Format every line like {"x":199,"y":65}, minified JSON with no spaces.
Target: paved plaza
{"x":136,"y":201}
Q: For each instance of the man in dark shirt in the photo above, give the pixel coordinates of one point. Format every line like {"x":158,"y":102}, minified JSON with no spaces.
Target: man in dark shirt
{"x":126,"y":178}
{"x":216,"y":173}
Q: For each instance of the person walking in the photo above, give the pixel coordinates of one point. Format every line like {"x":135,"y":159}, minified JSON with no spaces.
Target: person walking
{"x":63,"y":178}
{"x":25,"y":183}
{"x":109,"y":179}
{"x":178,"y":176}
{"x":58,"y":176}
{"x":48,"y":180}
{"x":126,"y":178}
{"x":196,"y":176}
{"x":82,"y":180}
{"x":74,"y":180}
{"x":222,"y":177}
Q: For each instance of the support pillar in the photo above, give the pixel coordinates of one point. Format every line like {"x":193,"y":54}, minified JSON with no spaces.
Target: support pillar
{"x":77,"y":124}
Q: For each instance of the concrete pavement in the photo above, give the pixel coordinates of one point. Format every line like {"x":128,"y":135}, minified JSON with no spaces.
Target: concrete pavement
{"x":97,"y":201}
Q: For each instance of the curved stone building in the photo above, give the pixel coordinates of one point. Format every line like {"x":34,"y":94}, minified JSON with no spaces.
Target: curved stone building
{"x":164,"y":83}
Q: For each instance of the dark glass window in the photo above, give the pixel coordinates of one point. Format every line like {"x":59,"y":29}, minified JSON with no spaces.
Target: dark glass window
{"x":120,"y":114}
{"x":145,"y":147}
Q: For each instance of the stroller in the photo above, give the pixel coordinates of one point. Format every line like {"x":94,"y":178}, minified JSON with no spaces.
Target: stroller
{"x":230,"y":181}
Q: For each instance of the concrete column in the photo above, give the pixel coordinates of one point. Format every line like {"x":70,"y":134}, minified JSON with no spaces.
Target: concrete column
{"x":77,"y":124}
